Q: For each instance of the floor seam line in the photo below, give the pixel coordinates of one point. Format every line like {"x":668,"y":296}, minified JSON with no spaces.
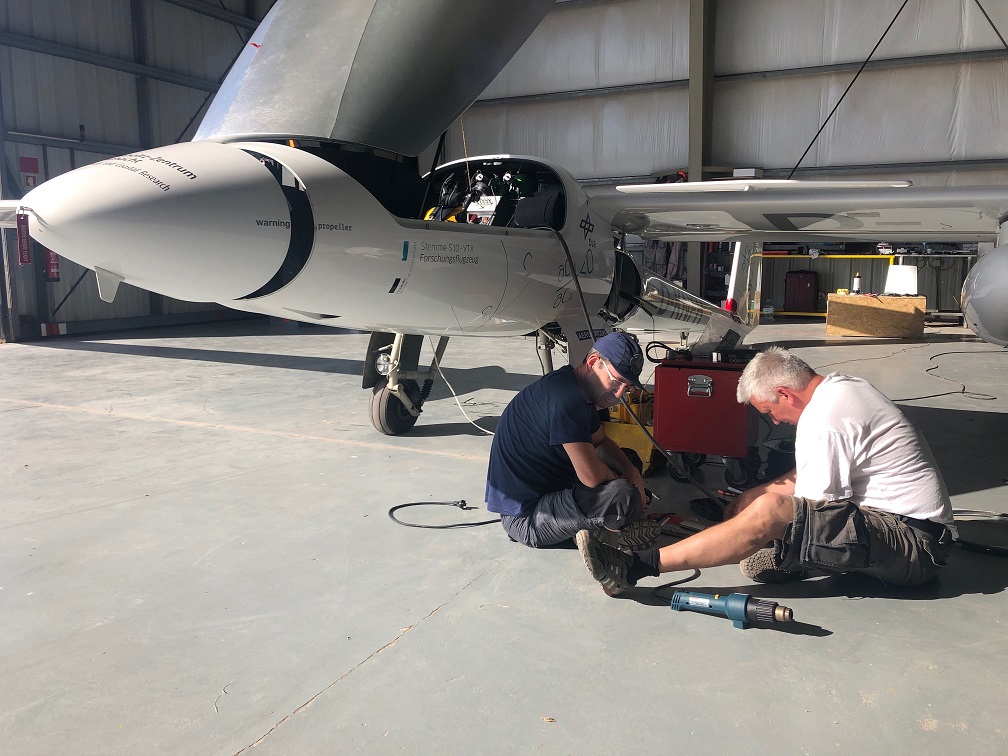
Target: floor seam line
{"x":369,"y":657}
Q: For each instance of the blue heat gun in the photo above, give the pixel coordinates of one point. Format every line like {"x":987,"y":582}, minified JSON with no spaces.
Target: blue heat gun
{"x":740,"y":608}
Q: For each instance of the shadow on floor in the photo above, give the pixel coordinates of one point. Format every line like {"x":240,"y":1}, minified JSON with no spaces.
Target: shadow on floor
{"x":463,"y":379}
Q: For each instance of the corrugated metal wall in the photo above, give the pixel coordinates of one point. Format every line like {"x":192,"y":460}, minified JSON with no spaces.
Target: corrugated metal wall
{"x":601,"y":88}
{"x":564,"y":95}
{"x":939,"y":278}
{"x":84,"y":80}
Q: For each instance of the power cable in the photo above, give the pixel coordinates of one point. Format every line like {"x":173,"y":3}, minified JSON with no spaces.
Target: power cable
{"x":657,"y":590}
{"x":848,"y":88}
{"x":461,"y":504}
{"x":437,"y":364}
{"x":962,"y":386}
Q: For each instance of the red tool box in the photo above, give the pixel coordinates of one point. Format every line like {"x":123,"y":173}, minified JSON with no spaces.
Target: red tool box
{"x":696,"y":412}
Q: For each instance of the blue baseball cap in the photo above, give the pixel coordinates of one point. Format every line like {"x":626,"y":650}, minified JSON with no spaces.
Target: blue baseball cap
{"x":623,"y":352}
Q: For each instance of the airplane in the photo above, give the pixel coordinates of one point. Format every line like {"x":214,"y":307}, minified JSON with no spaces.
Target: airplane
{"x":301,"y":197}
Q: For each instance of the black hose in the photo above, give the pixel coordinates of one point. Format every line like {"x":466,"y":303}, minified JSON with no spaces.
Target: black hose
{"x":451,"y":526}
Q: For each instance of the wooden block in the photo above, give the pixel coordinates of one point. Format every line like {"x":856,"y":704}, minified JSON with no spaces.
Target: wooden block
{"x":866,"y":315}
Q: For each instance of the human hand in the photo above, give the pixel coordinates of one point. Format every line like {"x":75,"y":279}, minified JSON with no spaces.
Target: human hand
{"x":634,"y":477}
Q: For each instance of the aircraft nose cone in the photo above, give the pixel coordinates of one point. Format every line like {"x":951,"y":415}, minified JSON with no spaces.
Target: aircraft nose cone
{"x":199,"y":221}
{"x":984,"y":304}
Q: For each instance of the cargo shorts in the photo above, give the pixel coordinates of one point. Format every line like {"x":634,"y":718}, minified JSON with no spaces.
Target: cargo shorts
{"x":840,"y":536}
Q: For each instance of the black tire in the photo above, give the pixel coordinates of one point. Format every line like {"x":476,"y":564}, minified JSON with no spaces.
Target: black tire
{"x":738,"y":474}
{"x":683,"y":464}
{"x":388,"y":414}
{"x":695,"y":461}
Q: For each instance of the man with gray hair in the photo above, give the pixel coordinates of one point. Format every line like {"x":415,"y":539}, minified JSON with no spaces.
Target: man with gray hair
{"x":866,"y":495}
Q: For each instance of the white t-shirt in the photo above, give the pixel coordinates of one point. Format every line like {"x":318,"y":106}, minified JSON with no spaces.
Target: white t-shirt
{"x":853,"y":443}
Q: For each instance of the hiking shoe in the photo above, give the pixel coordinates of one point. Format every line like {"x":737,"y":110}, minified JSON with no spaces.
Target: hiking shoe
{"x":606,"y":564}
{"x":637,"y":537}
{"x":765,"y":567}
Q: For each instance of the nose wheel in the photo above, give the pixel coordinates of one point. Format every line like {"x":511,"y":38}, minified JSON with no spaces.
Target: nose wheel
{"x":388,"y":414}
{"x":398,"y":387}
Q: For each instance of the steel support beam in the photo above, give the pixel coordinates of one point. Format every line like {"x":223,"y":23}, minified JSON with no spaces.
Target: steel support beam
{"x":102,"y":148}
{"x":969,"y":56}
{"x":701,"y":101}
{"x":206,"y":9}
{"x":22,"y":42}
{"x":9,"y":326}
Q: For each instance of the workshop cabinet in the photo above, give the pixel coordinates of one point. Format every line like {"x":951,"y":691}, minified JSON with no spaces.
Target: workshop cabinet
{"x":696,"y":411}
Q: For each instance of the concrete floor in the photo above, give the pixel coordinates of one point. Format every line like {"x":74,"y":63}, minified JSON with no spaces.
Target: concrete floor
{"x":195,"y":557}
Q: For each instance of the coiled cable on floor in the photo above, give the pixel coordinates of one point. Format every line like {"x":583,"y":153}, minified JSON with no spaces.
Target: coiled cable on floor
{"x":461,"y":504}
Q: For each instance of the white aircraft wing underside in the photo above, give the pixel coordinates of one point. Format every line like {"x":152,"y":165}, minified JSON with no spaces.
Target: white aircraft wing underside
{"x":383,"y":73}
{"x":807,"y":211}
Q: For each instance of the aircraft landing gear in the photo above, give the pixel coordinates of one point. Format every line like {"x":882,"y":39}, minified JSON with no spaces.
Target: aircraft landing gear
{"x":388,"y":414}
{"x":544,"y":348}
{"x":391,"y":372}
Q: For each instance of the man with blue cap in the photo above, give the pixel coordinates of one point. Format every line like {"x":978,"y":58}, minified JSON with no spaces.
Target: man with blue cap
{"x":552,"y":469}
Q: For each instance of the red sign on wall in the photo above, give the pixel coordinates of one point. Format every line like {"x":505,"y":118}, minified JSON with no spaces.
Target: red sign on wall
{"x":23,"y":240}
{"x":51,"y":265}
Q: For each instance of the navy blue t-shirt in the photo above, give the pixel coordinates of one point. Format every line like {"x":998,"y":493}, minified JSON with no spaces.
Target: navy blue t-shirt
{"x":527,"y":459}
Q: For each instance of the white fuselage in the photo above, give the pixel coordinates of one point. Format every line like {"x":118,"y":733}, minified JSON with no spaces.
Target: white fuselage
{"x":205,"y":221}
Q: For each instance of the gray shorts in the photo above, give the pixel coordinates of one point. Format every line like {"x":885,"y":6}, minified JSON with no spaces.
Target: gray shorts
{"x":840,"y":536}
{"x":559,"y":515}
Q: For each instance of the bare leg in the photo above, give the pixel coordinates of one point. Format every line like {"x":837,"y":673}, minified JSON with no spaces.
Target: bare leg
{"x":729,"y":542}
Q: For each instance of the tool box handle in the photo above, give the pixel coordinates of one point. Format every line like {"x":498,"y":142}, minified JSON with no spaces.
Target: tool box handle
{"x":699,"y":385}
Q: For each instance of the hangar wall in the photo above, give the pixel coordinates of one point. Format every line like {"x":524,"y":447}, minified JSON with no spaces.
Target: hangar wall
{"x":601,"y":88}
{"x":85,"y":80}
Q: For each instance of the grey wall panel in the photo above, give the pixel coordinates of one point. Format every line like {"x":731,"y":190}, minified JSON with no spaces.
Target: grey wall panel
{"x":585,"y":46}
{"x":186,"y":42}
{"x":178,"y":307}
{"x":97,"y":25}
{"x":172,"y":109}
{"x":913,"y":114}
{"x":634,"y":133}
{"x":770,"y":35}
{"x":54,"y":96}
{"x":929,"y":113}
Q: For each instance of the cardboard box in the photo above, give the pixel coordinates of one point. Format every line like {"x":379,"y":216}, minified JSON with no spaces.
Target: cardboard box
{"x":870,"y":315}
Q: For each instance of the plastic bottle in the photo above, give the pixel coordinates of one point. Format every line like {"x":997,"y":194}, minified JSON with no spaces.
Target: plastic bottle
{"x":856,"y":286}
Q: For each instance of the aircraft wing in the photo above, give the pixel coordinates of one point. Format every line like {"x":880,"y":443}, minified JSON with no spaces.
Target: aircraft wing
{"x":775,"y":210}
{"x":383,"y":73}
